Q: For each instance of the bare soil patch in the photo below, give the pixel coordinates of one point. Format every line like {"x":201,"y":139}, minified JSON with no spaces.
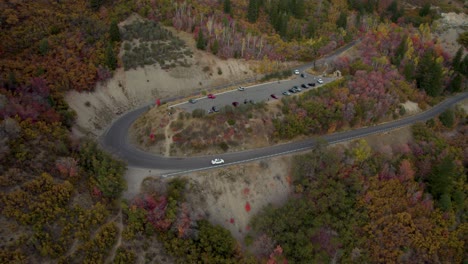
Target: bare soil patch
{"x":129,"y":89}
{"x":231,"y":195}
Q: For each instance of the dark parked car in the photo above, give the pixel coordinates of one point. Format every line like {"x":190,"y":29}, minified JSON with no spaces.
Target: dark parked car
{"x":274,"y":96}
{"x":214,"y":109}
{"x":311,"y":84}
{"x":303,"y":75}
{"x":246,"y":101}
{"x":304,"y":85}
{"x":235,"y":104}
{"x":292,"y":90}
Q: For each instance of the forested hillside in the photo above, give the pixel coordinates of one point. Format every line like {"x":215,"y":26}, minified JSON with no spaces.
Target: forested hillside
{"x":60,"y":196}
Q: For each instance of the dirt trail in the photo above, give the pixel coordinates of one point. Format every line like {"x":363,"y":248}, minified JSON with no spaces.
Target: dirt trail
{"x":118,"y":220}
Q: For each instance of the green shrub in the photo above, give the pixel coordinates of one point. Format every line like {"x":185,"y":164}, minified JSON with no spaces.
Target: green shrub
{"x":224,"y":146}
{"x":198,"y":113}
{"x":231,"y":122}
{"x":447,"y":118}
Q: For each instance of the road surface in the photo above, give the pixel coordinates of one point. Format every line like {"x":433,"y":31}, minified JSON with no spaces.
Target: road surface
{"x":115,"y":140}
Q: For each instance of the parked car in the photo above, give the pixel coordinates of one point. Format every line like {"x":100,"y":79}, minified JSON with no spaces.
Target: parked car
{"x":296,"y":72}
{"x":274,"y":96}
{"x":211,"y":96}
{"x":241,"y":88}
{"x":304,"y":86}
{"x":311,"y":84}
{"x":320,"y":81}
{"x":192,"y":101}
{"x":292,"y":90}
{"x":235,"y":104}
{"x":214,"y":109}
{"x":286,"y":93}
{"x":217,"y":161}
{"x":303,"y":75}
{"x":298,"y":89}
{"x":246,"y":101}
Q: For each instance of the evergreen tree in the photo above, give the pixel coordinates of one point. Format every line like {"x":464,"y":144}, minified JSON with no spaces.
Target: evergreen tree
{"x":215,"y":47}
{"x":201,"y":43}
{"x":95,"y":4}
{"x":252,"y":12}
{"x":463,"y":39}
{"x":298,"y":9}
{"x":400,"y":51}
{"x":44,"y":46}
{"x":441,"y":178}
{"x":114,"y":31}
{"x":110,"y":59}
{"x":456,"y":83}
{"x":463,"y":69}
{"x":429,"y":74}
{"x":447,"y":118}
{"x":342,"y":20}
{"x":408,"y":71}
{"x":456,"y":61}
{"x":227,"y":6}
{"x":425,"y":10}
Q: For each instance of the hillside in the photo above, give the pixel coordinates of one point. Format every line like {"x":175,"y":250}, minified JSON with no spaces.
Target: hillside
{"x":69,"y":68}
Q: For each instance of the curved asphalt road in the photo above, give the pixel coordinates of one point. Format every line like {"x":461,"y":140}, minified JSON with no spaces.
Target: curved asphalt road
{"x":116,"y":140}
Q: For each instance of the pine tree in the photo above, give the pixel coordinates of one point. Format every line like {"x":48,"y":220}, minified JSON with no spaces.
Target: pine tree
{"x":456,"y":61}
{"x":95,"y":4}
{"x":429,"y":74}
{"x":227,"y":6}
{"x":342,"y":21}
{"x":110,"y":59}
{"x":400,"y":51}
{"x":408,"y":71}
{"x":252,"y":12}
{"x":215,"y":47}
{"x":114,"y":31}
{"x":456,"y":83}
{"x":201,"y":43}
{"x":464,"y":66}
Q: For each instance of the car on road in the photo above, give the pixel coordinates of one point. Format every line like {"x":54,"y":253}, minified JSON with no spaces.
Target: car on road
{"x":292,"y":90}
{"x":304,"y":86}
{"x":215,"y":109}
{"x":274,"y":96}
{"x":320,"y":81}
{"x":303,"y":75}
{"x":217,"y":161}
{"x":235,"y":104}
{"x":286,"y":93}
{"x":311,"y":84}
{"x":192,"y":101}
{"x":211,"y":96}
{"x":295,"y":87}
{"x":296,"y":72}
{"x":241,"y":88}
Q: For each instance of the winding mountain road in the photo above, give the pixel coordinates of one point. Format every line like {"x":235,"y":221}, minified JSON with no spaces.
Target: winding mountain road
{"x":115,"y":140}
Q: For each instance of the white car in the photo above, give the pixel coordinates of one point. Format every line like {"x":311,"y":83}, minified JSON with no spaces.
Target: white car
{"x":241,"y":88}
{"x":297,"y":72}
{"x":217,"y":161}
{"x":320,"y":81}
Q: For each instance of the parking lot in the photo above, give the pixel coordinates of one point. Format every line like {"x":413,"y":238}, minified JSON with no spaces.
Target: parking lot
{"x":256,"y":93}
